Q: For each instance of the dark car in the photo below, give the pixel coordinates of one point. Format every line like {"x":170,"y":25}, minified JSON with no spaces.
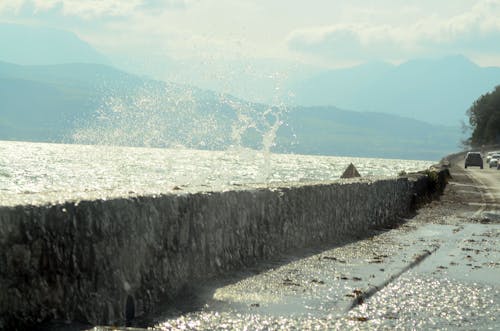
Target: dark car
{"x":474,"y":159}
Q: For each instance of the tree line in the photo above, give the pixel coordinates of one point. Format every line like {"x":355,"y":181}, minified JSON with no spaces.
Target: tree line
{"x":484,"y":120}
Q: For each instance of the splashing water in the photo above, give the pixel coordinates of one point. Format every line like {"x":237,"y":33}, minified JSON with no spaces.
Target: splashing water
{"x":268,"y":141}
{"x":155,"y":116}
{"x":174,"y":116}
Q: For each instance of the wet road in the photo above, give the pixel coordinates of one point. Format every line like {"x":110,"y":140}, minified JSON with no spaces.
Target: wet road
{"x":438,"y":270}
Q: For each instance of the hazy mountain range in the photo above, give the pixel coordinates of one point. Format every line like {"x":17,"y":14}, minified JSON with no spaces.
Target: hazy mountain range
{"x":24,"y":44}
{"x":408,"y":111}
{"x":89,"y":103}
{"x":435,"y":91}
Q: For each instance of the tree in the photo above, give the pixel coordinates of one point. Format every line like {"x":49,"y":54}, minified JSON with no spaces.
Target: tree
{"x":484,"y":119}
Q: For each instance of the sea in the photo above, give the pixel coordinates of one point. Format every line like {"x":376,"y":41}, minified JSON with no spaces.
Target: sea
{"x":46,"y":173}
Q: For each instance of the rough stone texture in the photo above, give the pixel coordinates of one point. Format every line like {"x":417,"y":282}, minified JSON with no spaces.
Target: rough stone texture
{"x":94,"y":260}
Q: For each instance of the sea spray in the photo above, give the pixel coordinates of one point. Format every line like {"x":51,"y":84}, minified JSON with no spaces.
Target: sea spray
{"x":269,"y":140}
{"x":165,"y":115}
{"x":154,"y":115}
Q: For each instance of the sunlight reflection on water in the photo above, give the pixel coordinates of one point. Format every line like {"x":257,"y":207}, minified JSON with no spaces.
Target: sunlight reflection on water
{"x":31,"y":172}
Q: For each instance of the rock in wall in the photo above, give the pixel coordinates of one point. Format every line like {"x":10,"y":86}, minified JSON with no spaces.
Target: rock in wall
{"x":105,"y":260}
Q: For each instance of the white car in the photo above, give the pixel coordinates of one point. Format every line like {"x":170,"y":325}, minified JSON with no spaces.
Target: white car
{"x":490,"y":154}
{"x":494,"y":160}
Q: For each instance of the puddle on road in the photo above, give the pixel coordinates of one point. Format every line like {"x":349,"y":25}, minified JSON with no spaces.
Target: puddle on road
{"x":417,"y":301}
{"x":467,"y":252}
{"x":314,"y":292}
{"x":457,"y":287}
{"x":493,"y":216}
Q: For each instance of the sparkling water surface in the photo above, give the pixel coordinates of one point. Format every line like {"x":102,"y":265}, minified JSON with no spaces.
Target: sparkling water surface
{"x":37,"y":173}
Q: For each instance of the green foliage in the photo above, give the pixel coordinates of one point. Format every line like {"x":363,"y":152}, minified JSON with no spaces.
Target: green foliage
{"x":432,"y":175}
{"x":484,"y":118}
{"x":438,"y":179}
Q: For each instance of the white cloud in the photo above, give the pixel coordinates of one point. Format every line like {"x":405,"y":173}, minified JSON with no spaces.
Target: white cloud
{"x":90,"y":9}
{"x":466,"y":32}
{"x":161,"y":5}
{"x":342,"y":41}
{"x":319,"y":32}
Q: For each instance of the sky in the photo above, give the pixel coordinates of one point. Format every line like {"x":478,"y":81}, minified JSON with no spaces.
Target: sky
{"x":233,"y":37}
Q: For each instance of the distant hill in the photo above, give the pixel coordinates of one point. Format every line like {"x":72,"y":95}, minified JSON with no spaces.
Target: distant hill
{"x":332,"y":131}
{"x":92,"y":103}
{"x":97,"y":104}
{"x":43,"y":103}
{"x":435,"y":91}
{"x":36,"y":45}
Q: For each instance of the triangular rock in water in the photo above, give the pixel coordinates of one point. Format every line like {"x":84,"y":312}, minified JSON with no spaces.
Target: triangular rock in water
{"x":350,"y":172}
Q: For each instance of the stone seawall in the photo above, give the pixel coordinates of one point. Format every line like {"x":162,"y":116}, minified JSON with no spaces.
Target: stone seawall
{"x":99,"y":261}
